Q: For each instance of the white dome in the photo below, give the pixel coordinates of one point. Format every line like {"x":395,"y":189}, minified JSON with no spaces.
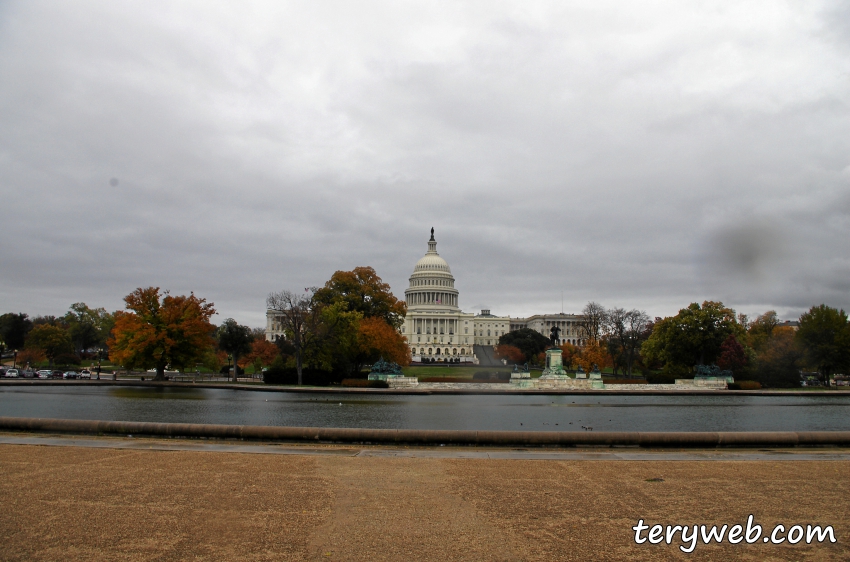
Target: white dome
{"x":431,"y":262}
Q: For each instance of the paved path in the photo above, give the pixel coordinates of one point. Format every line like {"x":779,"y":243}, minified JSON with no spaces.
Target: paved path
{"x":126,"y":502}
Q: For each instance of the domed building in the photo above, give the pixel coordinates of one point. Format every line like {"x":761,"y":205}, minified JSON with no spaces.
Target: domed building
{"x":436,"y":329}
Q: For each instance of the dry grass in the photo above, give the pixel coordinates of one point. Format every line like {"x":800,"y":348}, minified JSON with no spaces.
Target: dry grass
{"x":64,"y":503}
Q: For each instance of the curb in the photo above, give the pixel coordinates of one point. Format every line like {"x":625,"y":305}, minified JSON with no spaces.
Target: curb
{"x":433,"y":437}
{"x":425,"y":392}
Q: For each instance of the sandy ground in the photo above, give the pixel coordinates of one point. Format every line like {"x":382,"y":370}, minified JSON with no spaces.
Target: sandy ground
{"x":69,"y":503}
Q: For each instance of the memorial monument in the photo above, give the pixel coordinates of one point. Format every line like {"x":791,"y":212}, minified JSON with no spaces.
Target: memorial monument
{"x":554,"y":370}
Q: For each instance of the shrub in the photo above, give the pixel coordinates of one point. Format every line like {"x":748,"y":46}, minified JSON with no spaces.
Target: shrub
{"x":491,"y":376}
{"x":464,"y":380}
{"x":289,"y":375}
{"x":363,"y":383}
{"x":744,"y":385}
{"x":661,"y":378}
{"x":67,"y":359}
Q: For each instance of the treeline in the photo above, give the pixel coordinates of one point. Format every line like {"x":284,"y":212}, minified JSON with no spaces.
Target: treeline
{"x":332,"y":331}
{"x":663,"y":349}
{"x":758,"y":349}
{"x":611,"y":338}
{"x":335,"y":330}
{"x":155,"y":330}
{"x":64,"y":340}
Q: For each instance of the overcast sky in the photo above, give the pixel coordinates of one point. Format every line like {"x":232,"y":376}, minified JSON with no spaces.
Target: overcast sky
{"x":643,"y":155}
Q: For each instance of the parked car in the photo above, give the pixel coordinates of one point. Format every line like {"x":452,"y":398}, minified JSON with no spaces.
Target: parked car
{"x":85,"y":374}
{"x":70,"y":375}
{"x":57,"y":375}
{"x":28,"y":374}
{"x":45,"y":373}
{"x":11,"y":374}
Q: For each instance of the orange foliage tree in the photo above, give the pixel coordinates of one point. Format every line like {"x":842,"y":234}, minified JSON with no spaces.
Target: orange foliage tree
{"x":510,"y":353}
{"x":376,"y":338}
{"x":31,"y":356}
{"x":263,"y":352}
{"x":157,"y":331}
{"x":593,"y":354}
{"x":569,"y":353}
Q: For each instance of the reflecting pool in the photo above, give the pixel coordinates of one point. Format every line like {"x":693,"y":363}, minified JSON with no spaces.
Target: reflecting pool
{"x":724,"y":412}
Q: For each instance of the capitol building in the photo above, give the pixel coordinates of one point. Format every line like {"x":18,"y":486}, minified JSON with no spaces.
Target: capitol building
{"x":437,"y":330}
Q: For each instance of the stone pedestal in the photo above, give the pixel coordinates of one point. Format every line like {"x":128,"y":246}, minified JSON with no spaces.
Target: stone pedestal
{"x":554,"y":365}
{"x":596,"y":379}
{"x":521,"y":379}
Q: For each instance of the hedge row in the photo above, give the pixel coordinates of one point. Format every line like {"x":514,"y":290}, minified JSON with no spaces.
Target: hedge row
{"x":289,"y":375}
{"x":744,"y":385}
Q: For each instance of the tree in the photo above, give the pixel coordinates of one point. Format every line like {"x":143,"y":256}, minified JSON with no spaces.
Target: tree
{"x":376,"y":339}
{"x":363,"y":321}
{"x":88,"y":327}
{"x":263,"y":352}
{"x":300,"y":317}
{"x":52,"y":341}
{"x":363,"y":291}
{"x":235,"y":340}
{"x":155,"y":332}
{"x":732,"y":355}
{"x":760,"y":330}
{"x":592,"y":322}
{"x":510,"y":353}
{"x":778,"y":363}
{"x":31,"y":356}
{"x":14,"y":329}
{"x":529,"y":342}
{"x":50,"y":320}
{"x":626,"y":330}
{"x":825,"y":336}
{"x":692,"y":337}
{"x":569,"y":354}
{"x":593,"y":354}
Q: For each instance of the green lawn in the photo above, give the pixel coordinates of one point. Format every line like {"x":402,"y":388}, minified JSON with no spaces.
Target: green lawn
{"x":454,"y":372}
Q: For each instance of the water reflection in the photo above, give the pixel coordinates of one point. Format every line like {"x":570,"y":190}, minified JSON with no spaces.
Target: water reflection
{"x":724,"y":412}
{"x":158,"y":393}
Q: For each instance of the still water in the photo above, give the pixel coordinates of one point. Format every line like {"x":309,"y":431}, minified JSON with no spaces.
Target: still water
{"x":530,"y":413}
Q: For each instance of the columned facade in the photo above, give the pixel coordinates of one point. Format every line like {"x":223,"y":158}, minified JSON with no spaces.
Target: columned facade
{"x":435,"y":327}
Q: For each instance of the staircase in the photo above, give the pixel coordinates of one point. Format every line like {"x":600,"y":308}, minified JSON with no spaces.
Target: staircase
{"x":486,"y":356}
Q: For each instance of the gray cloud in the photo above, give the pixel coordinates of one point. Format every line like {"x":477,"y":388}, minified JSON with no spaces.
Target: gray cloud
{"x":637,"y":156}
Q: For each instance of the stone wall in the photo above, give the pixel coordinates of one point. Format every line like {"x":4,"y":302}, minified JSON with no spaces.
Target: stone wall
{"x":572,"y":384}
{"x":402,"y":382}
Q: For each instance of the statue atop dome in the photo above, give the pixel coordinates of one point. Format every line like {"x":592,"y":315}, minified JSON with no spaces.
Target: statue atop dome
{"x":432,"y":234}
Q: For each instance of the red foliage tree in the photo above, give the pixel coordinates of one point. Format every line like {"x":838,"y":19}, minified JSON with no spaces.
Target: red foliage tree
{"x":510,"y":353}
{"x":732,"y":355}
